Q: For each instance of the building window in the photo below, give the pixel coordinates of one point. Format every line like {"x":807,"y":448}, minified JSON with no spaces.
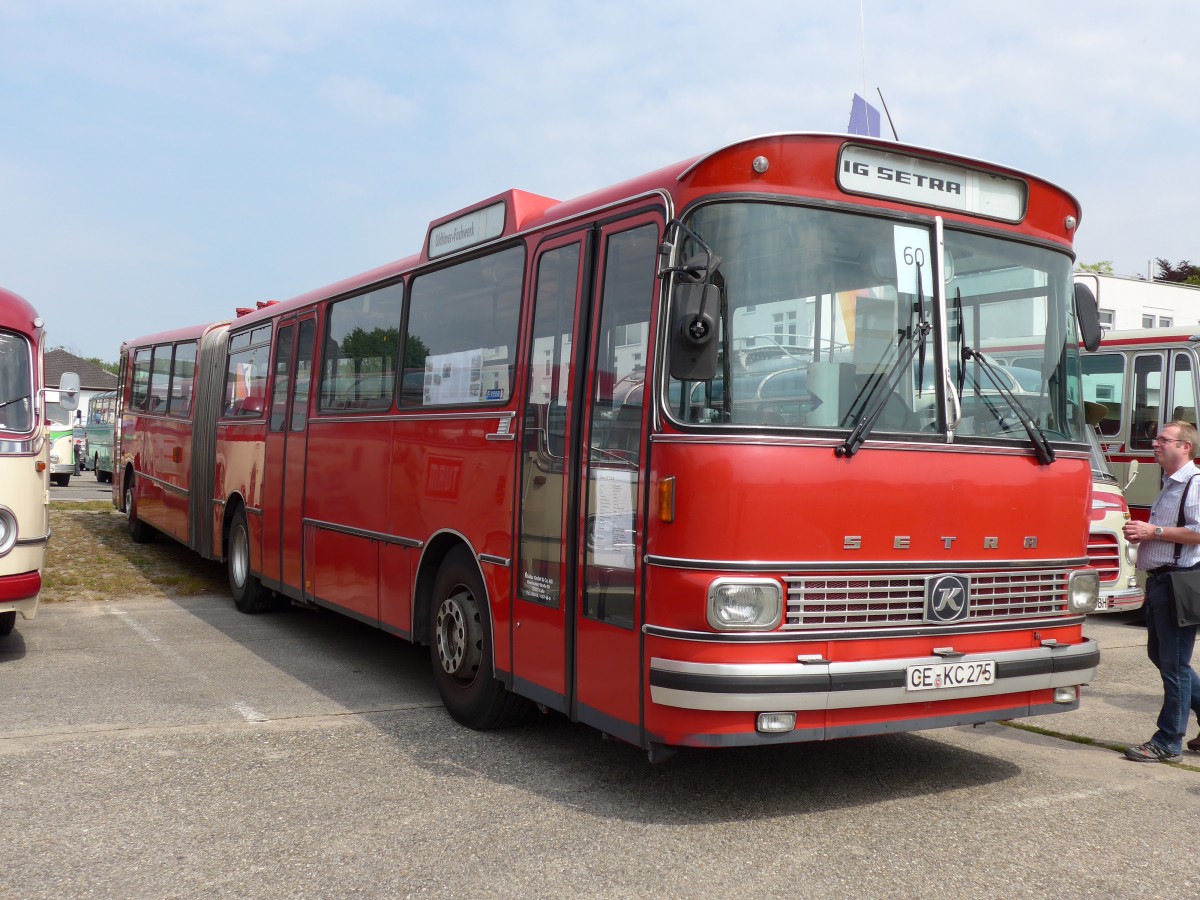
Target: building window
{"x":1147,"y":321}
{"x":1107,"y":318}
{"x":1165,"y":322}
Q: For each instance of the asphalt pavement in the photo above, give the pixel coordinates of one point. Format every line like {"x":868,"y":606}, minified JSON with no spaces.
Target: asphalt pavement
{"x":176,"y":748}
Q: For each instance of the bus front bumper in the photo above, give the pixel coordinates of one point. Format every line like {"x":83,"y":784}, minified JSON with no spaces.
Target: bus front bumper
{"x":824,"y":685}
{"x":20,"y":593}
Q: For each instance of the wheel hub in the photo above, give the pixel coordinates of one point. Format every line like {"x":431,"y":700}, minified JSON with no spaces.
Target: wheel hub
{"x":459,"y":636}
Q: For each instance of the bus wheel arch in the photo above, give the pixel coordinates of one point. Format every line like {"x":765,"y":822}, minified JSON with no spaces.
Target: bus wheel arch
{"x":249,"y":596}
{"x":453,"y":617}
{"x":139,"y":531}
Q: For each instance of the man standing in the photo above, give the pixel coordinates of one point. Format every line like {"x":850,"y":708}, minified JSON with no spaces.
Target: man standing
{"x":1164,"y":547}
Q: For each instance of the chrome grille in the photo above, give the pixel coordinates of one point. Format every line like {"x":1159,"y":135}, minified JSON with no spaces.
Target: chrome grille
{"x":821,"y":601}
{"x":1104,"y":555}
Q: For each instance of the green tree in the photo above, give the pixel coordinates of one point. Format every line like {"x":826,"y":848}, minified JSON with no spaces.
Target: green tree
{"x":1104,"y":267}
{"x":1181,"y":273}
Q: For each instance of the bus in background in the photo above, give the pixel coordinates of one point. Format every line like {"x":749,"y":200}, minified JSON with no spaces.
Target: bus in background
{"x":24,"y":452}
{"x":546,"y":447}
{"x":1111,"y":554}
{"x":63,"y":457}
{"x":98,"y":441}
{"x":1144,"y":379}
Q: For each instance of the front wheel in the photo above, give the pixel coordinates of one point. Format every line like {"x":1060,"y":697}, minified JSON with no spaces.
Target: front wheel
{"x":8,"y":621}
{"x":248,"y":593}
{"x":460,"y":641}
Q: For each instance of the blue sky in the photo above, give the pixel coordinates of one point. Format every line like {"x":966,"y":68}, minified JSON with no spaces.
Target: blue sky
{"x":165,"y":161}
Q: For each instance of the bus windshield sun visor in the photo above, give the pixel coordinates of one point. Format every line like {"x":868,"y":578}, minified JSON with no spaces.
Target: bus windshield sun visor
{"x":881,"y":390}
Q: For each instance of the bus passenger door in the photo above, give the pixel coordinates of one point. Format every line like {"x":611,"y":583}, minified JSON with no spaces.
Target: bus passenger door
{"x":541,"y":634}
{"x":609,"y":603}
{"x":283,"y":478}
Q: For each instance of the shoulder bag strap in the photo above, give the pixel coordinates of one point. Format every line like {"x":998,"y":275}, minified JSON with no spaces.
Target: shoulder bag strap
{"x":1182,"y":510}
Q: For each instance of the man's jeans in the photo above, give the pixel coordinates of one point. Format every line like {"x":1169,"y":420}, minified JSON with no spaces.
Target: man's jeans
{"x":1170,"y":649}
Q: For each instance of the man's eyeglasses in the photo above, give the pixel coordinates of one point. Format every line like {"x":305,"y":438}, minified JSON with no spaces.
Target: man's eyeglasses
{"x":1162,"y":440}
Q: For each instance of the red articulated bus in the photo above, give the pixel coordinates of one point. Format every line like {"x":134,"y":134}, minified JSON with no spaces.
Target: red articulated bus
{"x":712,"y":457}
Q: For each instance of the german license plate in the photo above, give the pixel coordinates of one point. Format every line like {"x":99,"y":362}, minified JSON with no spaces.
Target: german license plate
{"x":934,"y":676}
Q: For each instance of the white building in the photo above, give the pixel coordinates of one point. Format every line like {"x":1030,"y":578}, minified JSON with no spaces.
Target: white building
{"x":1127,"y":303}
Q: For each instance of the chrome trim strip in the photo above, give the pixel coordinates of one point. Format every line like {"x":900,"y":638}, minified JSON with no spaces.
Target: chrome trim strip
{"x":843,"y":567}
{"x":495,"y":436}
{"x":749,"y":435}
{"x":173,"y":488}
{"x":499,"y":411}
{"x":804,"y":638}
{"x":33,"y":541}
{"x":813,"y":686}
{"x":363,"y":533}
{"x":495,"y":560}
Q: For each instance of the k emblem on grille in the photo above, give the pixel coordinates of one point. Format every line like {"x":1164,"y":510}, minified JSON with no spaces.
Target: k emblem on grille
{"x":947,"y":598}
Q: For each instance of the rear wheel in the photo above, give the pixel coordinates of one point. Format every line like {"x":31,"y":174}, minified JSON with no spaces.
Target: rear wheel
{"x":8,"y":621}
{"x":61,"y":480}
{"x":460,"y":641}
{"x":248,"y":593}
{"x":139,"y":531}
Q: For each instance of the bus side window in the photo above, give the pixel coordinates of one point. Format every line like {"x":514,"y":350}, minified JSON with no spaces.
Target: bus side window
{"x":1183,"y":389}
{"x":1148,"y":398}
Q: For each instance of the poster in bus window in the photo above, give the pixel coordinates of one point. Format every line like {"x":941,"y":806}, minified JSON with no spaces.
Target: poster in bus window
{"x":453,"y":377}
{"x":612,"y":536}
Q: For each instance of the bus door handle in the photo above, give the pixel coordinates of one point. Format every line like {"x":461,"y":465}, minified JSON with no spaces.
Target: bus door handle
{"x":503,"y":431}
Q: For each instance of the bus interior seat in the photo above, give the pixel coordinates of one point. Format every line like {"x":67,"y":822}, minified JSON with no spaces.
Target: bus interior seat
{"x":1184,"y":414}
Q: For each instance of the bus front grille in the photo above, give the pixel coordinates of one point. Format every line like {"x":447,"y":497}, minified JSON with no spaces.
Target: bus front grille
{"x":867,"y":602}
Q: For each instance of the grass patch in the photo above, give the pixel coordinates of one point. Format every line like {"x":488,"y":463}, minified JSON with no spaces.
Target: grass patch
{"x":91,"y":557}
{"x":1091,"y":742}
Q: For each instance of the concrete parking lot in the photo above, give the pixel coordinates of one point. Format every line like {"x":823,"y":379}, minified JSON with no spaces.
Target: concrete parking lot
{"x":156,"y":748}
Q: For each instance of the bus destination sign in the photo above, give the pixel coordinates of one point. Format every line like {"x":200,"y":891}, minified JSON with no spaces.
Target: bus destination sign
{"x":475,"y":227}
{"x":911,"y":179}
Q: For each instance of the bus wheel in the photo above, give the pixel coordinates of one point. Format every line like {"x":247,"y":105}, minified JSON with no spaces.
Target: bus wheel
{"x":139,"y":531}
{"x":461,"y":649}
{"x":248,"y":594}
{"x":8,"y":621}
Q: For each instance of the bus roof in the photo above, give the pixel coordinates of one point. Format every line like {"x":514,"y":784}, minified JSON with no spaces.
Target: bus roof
{"x":167,"y":337}
{"x":1173,"y":335}
{"x":18,"y":314}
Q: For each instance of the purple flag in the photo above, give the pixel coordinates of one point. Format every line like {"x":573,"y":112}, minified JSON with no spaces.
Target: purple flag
{"x":864,"y":118}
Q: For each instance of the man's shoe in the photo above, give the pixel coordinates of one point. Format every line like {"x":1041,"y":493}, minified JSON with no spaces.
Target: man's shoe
{"x":1194,"y":744}
{"x":1151,"y":752}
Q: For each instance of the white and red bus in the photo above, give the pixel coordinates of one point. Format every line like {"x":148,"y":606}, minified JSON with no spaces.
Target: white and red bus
{"x":1144,"y":379}
{"x":24,"y":457}
{"x":708,"y":458}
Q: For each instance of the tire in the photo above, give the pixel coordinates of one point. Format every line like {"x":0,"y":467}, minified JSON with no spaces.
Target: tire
{"x":460,"y":645}
{"x":61,"y":480}
{"x":8,"y":621}
{"x":248,"y":593}
{"x":139,"y":531}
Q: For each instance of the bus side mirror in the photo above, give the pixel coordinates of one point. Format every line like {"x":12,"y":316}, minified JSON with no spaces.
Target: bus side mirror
{"x":1131,"y":472}
{"x":694,"y":331}
{"x":68,"y":391}
{"x":1087,"y":313}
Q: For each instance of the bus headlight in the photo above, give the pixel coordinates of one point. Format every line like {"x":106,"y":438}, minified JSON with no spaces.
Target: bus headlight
{"x":1083,"y":591}
{"x":54,"y":458}
{"x":8,"y":530}
{"x":1131,"y":553}
{"x":744,"y":604}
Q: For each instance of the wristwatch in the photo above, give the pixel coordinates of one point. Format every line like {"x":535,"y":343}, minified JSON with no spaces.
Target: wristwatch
{"x":1158,"y":531}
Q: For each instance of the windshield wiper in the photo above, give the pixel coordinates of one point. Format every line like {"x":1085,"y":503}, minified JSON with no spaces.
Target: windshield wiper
{"x":1041,"y":444}
{"x":881,"y":391}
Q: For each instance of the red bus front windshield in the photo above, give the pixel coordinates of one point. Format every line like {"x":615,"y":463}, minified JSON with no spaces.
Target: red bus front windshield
{"x":822,"y":311}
